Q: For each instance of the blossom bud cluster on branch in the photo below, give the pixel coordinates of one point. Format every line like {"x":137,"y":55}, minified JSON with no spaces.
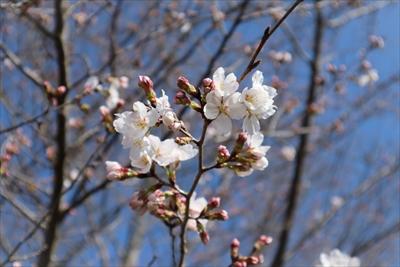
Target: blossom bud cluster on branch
{"x":218,"y":101}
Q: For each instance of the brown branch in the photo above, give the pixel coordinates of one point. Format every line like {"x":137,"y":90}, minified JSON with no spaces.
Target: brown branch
{"x":50,"y":234}
{"x":267,"y":33}
{"x":294,"y":191}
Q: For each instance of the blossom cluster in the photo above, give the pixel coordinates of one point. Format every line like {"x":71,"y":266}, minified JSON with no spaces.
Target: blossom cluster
{"x":219,"y":102}
{"x":170,"y":207}
{"x":224,"y":103}
{"x":337,"y":258}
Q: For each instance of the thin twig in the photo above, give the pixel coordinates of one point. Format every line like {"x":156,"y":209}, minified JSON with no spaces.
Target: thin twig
{"x":267,"y":33}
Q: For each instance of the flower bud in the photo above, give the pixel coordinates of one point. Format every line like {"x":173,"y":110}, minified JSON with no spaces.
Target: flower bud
{"x":181,"y":98}
{"x":253,"y":260}
{"x":208,"y":85}
{"x":376,"y":41}
{"x":239,"y":264}
{"x":61,"y":90}
{"x":265,"y":240}
{"x":235,"y":248}
{"x":214,"y":203}
{"x":221,"y":215}
{"x":204,"y":237}
{"x":223,"y":153}
{"x":147,"y":85}
{"x":116,"y":172}
{"x":187,"y":87}
{"x":240,"y":141}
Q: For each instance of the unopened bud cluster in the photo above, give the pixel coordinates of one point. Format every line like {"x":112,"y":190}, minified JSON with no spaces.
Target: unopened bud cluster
{"x":254,"y":258}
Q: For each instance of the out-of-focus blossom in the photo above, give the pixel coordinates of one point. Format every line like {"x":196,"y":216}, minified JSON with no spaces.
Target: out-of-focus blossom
{"x":280,"y":57}
{"x":367,"y":78}
{"x":288,"y":153}
{"x":336,"y":258}
{"x":376,"y":41}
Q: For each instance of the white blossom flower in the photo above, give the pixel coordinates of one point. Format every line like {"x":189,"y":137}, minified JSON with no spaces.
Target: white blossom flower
{"x":114,"y":170}
{"x":168,"y":151}
{"x":134,"y":125}
{"x":259,"y":103}
{"x":92,"y":83}
{"x":113,"y":94}
{"x":223,"y":103}
{"x":258,"y":151}
{"x":167,"y":115}
{"x":195,"y":208}
{"x":367,"y":78}
{"x":142,"y":162}
{"x":336,"y":258}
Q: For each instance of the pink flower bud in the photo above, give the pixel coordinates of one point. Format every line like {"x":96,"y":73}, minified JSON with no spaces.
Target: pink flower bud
{"x":242,"y":138}
{"x":235,"y":243}
{"x":214,"y":203}
{"x":61,"y":90}
{"x":204,"y":237}
{"x":208,"y":85}
{"x":185,"y":85}
{"x":239,"y":264}
{"x":145,"y":83}
{"x":253,"y":260}
{"x":223,"y":152}
{"x":115,"y":170}
{"x":181,"y":98}
{"x":104,"y":111}
{"x":265,"y":240}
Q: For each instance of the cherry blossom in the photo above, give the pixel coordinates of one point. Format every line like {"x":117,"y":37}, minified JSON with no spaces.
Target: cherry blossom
{"x":336,"y":258}
{"x":195,"y":208}
{"x":223,"y":103}
{"x":134,"y":125}
{"x":259,"y":103}
{"x":255,"y":152}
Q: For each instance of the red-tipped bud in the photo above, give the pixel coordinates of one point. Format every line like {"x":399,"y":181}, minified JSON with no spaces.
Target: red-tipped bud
{"x":235,"y":243}
{"x":208,"y":85}
{"x":181,"y":98}
{"x":253,"y":260}
{"x":61,"y":90}
{"x":223,"y":153}
{"x":239,"y":264}
{"x":214,"y":203}
{"x":265,"y":240}
{"x":221,"y":215}
{"x":186,"y":86}
{"x":204,"y":237}
{"x":240,"y":141}
{"x":145,"y":83}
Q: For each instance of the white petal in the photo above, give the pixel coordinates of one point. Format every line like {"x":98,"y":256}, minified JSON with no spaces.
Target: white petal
{"x":251,"y":124}
{"x":140,"y":108}
{"x":186,"y":152}
{"x":222,"y":124}
{"x":142,"y":163}
{"x":260,"y":164}
{"x":219,"y":76}
{"x":230,"y":84}
{"x":244,"y":173}
{"x":236,"y":109}
{"x":257,"y":78}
